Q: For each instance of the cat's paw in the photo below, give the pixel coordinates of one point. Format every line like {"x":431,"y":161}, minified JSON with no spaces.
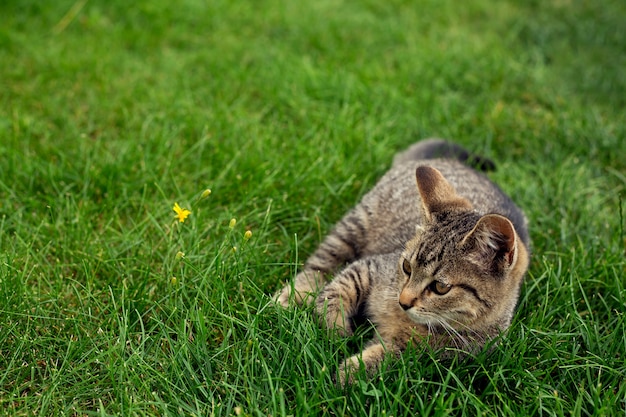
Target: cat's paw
{"x":346,"y":375}
{"x":332,"y":316}
{"x":289,"y":296}
{"x":303,"y":291}
{"x":370,"y":359}
{"x":283,"y":296}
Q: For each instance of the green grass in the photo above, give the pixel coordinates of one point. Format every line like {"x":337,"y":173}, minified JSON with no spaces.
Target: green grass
{"x":289,"y":111}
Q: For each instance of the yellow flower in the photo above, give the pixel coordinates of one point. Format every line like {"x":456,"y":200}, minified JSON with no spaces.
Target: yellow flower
{"x":247,"y":235}
{"x":180,"y":255}
{"x":232,"y":223}
{"x":181,"y":213}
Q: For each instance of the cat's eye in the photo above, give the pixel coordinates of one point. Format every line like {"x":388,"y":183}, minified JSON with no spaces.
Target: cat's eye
{"x":440,"y":288}
{"x":406,"y":267}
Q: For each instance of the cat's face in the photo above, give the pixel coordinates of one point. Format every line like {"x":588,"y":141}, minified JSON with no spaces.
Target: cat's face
{"x":461,"y":272}
{"x":450,"y":280}
{"x":440,"y":285}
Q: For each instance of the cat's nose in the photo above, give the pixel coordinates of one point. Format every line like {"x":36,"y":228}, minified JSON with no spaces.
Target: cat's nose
{"x":407,"y":299}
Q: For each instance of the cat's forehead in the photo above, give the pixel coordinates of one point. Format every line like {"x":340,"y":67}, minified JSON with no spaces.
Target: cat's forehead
{"x":448,"y":228}
{"x":439,"y":241}
{"x":453,"y":221}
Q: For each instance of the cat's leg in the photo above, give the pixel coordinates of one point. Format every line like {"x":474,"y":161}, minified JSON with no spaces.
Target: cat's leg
{"x":306,"y":285}
{"x":370,"y":359}
{"x":392,"y":339}
{"x":341,"y":299}
{"x":343,"y":245}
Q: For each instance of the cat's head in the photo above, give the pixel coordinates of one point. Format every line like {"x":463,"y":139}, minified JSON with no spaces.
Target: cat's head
{"x":462,"y":271}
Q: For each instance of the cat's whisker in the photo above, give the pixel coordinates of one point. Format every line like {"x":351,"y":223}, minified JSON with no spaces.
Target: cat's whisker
{"x":430,"y":328}
{"x":478,"y":336}
{"x":460,"y":341}
{"x":449,"y":330}
{"x":455,"y":336}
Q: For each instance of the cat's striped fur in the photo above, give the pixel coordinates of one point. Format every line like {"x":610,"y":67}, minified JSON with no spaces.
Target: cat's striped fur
{"x":440,"y":262}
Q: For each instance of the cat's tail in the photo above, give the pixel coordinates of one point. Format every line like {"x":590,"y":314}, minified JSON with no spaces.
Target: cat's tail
{"x":441,"y":148}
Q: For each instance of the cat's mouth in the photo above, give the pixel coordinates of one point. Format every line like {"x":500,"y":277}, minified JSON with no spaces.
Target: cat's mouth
{"x":431,"y":320}
{"x":423,"y":317}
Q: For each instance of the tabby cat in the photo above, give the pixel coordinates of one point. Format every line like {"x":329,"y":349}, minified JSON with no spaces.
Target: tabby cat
{"x":438,"y":263}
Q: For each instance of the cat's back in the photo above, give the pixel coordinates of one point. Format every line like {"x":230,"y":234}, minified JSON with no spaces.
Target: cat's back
{"x":392,"y":207}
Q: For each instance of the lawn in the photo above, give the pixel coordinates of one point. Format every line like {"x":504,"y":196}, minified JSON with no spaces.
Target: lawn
{"x":288,"y":111}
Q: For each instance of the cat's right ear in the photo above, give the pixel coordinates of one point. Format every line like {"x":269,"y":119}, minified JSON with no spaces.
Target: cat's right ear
{"x":437,"y":194}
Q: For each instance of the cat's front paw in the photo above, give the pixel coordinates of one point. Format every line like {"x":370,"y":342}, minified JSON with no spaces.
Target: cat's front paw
{"x":305,"y":287}
{"x":332,"y":316}
{"x":370,"y":359}
{"x":283,"y":296}
{"x":291,"y":295}
{"x":346,"y":375}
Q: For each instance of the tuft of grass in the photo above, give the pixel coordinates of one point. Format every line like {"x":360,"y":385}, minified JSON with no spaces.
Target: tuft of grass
{"x":112,"y":112}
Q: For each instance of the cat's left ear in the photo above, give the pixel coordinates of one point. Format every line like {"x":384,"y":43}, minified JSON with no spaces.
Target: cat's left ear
{"x":493,"y":242}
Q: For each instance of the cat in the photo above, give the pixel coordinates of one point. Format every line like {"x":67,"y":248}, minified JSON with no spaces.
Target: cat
{"x":435,"y":253}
